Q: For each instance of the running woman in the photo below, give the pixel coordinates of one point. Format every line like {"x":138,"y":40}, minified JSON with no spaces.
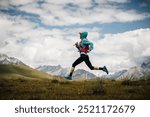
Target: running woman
{"x":84,"y":47}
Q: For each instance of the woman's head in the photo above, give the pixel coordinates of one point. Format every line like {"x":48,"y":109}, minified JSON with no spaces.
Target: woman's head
{"x":83,"y":35}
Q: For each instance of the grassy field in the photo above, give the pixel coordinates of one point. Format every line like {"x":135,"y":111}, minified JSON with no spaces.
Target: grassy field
{"x":20,"y":82}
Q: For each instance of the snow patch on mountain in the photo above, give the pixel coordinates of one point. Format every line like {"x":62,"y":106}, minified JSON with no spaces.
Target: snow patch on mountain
{"x":4,"y":59}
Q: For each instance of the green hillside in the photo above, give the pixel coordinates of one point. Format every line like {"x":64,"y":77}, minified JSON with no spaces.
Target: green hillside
{"x":17,"y":71}
{"x":22,"y":82}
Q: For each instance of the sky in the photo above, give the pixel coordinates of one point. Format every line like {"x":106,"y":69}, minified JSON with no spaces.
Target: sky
{"x":43,"y":32}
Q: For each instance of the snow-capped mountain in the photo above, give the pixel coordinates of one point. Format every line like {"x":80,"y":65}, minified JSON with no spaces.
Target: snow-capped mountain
{"x":54,"y":70}
{"x":4,"y":59}
{"x":83,"y":74}
{"x":133,"y":72}
{"x":58,"y":70}
{"x":116,"y":74}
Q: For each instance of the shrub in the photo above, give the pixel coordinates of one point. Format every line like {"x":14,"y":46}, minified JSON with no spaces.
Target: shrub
{"x":22,"y":80}
{"x":127,"y":82}
{"x":55,"y":81}
{"x":98,"y":87}
{"x":148,"y":81}
{"x":113,"y":80}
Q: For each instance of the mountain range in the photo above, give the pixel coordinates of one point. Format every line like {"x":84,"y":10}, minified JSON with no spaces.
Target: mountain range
{"x":132,"y":73}
{"x":59,"y":71}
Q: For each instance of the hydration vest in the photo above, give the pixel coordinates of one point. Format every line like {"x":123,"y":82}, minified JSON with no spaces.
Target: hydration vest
{"x":84,"y":49}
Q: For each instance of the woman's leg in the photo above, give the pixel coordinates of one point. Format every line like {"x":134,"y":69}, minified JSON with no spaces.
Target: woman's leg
{"x":88,"y":63}
{"x":78,"y":61}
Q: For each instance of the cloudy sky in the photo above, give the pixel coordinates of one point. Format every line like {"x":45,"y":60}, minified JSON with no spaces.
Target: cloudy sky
{"x":42,"y":32}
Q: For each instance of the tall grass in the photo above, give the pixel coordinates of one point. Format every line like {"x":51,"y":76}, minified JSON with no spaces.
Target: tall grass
{"x":62,"y":89}
{"x":98,"y":87}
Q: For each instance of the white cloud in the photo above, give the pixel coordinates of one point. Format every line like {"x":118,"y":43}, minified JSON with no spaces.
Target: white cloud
{"x":86,"y":2}
{"x":44,"y":46}
{"x":88,"y":16}
{"x":59,"y":13}
{"x":7,"y":3}
{"x":123,"y":50}
{"x":4,"y":3}
{"x":4,"y":24}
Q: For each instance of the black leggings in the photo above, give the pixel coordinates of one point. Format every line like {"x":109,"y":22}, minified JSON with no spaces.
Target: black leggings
{"x":84,"y":58}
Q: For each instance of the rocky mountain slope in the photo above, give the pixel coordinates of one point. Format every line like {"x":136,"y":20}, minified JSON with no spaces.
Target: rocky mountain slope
{"x":58,"y":70}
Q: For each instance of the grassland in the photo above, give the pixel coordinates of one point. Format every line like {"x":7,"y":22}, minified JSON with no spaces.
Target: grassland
{"x":20,"y":82}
